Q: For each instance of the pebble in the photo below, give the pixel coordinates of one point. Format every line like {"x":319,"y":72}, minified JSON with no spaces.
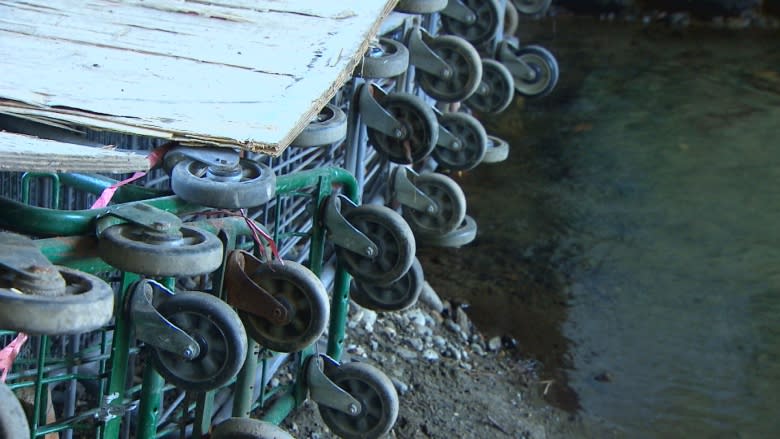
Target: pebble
{"x":369,"y":318}
{"x":315,"y":436}
{"x":406,"y":354}
{"x":452,"y":326}
{"x":374,"y":344}
{"x":494,"y":343}
{"x":400,"y":386}
{"x":416,"y":318}
{"x":415,"y":343}
{"x":461,"y":317}
{"x":477,"y":349}
{"x":439,"y":341}
{"x":466,"y":366}
{"x":430,"y":355}
{"x":455,"y":353}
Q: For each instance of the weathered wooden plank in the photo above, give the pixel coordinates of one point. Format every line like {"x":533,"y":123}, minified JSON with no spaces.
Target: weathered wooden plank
{"x":235,"y":73}
{"x":19,"y":152}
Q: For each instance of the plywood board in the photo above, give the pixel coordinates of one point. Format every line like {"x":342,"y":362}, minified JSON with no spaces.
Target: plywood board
{"x":234,"y":73}
{"x":20,"y":152}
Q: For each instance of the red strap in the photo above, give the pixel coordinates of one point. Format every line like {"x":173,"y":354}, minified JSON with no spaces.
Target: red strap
{"x":154,"y":157}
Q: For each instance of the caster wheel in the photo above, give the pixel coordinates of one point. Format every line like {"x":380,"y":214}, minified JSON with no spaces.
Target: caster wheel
{"x":450,"y":202}
{"x":472,"y":140}
{"x":13,"y":420}
{"x":377,"y":397}
{"x":219,"y":333}
{"x":136,"y":249}
{"x":249,"y":184}
{"x":393,"y":237}
{"x":532,"y":7}
{"x":396,"y":296}
{"x":420,"y":6}
{"x":465,"y":70}
{"x":511,"y":19}
{"x":546,"y":71}
{"x":305,"y":299}
{"x":485,"y":27}
{"x":495,"y":91}
{"x":329,"y":127}
{"x":421,"y":131}
{"x":388,"y":59}
{"x":88,"y":304}
{"x":464,"y":234}
{"x":497,"y":150}
{"x":247,"y":428}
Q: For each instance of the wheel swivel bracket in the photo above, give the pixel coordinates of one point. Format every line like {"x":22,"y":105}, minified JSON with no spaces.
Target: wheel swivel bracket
{"x":456,"y":10}
{"x":154,"y":329}
{"x":344,"y":234}
{"x":325,"y":392}
{"x":423,"y":57}
{"x":244,"y":294}
{"x":406,"y":193}
{"x":33,"y":272}
{"x":375,"y":116}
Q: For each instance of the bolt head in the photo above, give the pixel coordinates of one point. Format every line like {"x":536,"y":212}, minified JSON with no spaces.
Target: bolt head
{"x":398,"y":133}
{"x":431,"y":208}
{"x":456,"y":145}
{"x":446,"y":73}
{"x":471,"y":18}
{"x":187,"y":353}
{"x":369,"y":251}
{"x":353,"y":409}
{"x":161,"y":226}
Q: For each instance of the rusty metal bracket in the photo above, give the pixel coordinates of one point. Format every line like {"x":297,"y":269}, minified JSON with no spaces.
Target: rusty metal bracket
{"x":406,"y":193}
{"x":324,"y":392}
{"x":246,"y":295}
{"x":423,"y":57}
{"x":154,"y":329}
{"x":344,"y":234}
{"x":32,"y":272}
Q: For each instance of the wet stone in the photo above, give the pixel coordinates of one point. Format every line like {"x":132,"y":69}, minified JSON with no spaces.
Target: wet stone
{"x":430,"y":355}
{"x":406,"y":354}
{"x":400,"y":386}
{"x":416,"y":344}
{"x":494,"y":344}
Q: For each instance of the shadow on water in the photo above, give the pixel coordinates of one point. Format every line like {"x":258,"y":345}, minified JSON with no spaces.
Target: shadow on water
{"x":513,"y":275}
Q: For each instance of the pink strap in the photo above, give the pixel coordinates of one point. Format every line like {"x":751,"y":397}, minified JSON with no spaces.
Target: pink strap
{"x":154,"y":157}
{"x":8,"y":355}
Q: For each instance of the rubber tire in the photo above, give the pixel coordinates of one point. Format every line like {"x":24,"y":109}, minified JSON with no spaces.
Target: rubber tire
{"x":373,"y":385}
{"x":420,"y":6}
{"x":466,"y":66}
{"x":473,"y":34}
{"x":546,"y":66}
{"x":459,"y":237}
{"x":247,"y":428}
{"x":290,"y":283}
{"x":370,"y":219}
{"x":117,"y":247}
{"x":223,"y":319}
{"x":328,"y":128}
{"x":473,"y":140}
{"x":511,"y":19}
{"x":87,"y":305}
{"x":251,"y":192}
{"x":449,"y":198}
{"x":535,"y":7}
{"x":420,"y":123}
{"x":13,"y":420}
{"x":397,"y":296}
{"x":500,"y":88}
{"x":393,"y":62}
{"x":497,"y":150}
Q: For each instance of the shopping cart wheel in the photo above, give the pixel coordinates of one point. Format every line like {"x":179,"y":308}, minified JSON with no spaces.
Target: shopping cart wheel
{"x":386,"y":59}
{"x":497,"y":150}
{"x":472,"y":142}
{"x":532,"y":7}
{"x":13,"y":421}
{"x":329,"y":127}
{"x":303,"y":296}
{"x":488,"y":16}
{"x":219,"y":333}
{"x":495,"y":91}
{"x":543,"y":66}
{"x":248,"y":184}
{"x":393,"y":238}
{"x":377,"y":397}
{"x":511,"y":19}
{"x":420,"y":129}
{"x":134,"y":248}
{"x":88,"y":304}
{"x":396,"y":296}
{"x":420,"y":6}
{"x":459,"y":237}
{"x":248,"y":428}
{"x":450,"y":205}
{"x":465,"y":70}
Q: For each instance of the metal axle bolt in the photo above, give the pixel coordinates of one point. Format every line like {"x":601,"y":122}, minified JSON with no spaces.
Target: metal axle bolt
{"x":369,"y":251}
{"x":187,"y":353}
{"x":353,"y":409}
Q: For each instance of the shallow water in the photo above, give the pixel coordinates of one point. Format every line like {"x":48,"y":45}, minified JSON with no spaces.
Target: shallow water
{"x":636,"y":249}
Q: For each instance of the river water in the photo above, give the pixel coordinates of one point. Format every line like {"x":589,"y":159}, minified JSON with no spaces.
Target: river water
{"x":631,"y":241}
